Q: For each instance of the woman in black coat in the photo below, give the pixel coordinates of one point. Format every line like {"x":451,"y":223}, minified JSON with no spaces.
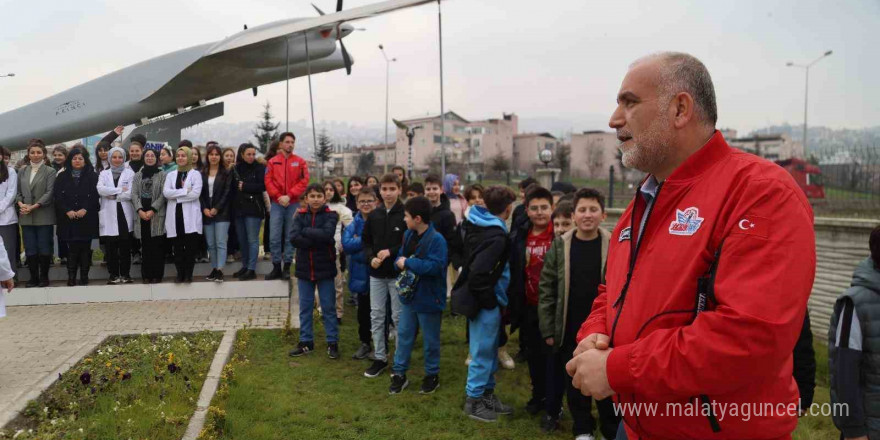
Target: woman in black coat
{"x":216,"y":185}
{"x":76,"y":206}
{"x":249,"y":208}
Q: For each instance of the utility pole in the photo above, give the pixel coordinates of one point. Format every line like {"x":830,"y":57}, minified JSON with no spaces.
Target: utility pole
{"x":806,"y":68}
{"x":387,"y":75}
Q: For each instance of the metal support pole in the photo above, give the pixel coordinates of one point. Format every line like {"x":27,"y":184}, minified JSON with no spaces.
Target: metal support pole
{"x":312,"y":108}
{"x":387,"y":74}
{"x":611,"y":186}
{"x":442,"y":113}
{"x":806,"y":89}
{"x":287,"y":83}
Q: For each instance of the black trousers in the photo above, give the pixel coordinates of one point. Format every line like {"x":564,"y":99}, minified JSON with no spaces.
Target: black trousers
{"x":79,"y":256}
{"x":118,"y":255}
{"x":185,"y":251}
{"x":364,"y":333}
{"x":580,"y":406}
{"x":152,"y":254}
{"x":530,"y":336}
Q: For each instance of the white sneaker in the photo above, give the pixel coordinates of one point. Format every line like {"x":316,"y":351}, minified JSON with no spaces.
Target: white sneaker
{"x":585,"y":437}
{"x":505,"y":360}
{"x":467,"y":362}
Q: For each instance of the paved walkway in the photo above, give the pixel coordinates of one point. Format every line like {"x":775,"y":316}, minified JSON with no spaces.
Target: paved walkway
{"x":37,"y":342}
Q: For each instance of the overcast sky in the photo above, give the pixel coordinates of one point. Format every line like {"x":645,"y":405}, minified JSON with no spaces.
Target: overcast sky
{"x":541,"y":59}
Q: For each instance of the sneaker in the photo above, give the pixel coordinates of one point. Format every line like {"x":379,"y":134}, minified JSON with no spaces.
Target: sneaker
{"x":506,"y":361}
{"x":333,"y":350}
{"x":467,"y":362}
{"x":376,"y":368}
{"x":478,"y":409}
{"x":430,"y":384}
{"x":249,"y":275}
{"x":125,"y":280}
{"x":549,"y":424}
{"x":585,"y":437}
{"x":302,"y":348}
{"x":230,"y":258}
{"x":496,"y":405}
{"x":362,"y":352}
{"x":398,"y":383}
{"x":534,"y":406}
{"x":218,"y":277}
{"x":212,"y":276}
{"x":113,"y":280}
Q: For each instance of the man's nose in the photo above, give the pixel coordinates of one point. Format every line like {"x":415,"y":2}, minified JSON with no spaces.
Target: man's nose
{"x":617,"y":120}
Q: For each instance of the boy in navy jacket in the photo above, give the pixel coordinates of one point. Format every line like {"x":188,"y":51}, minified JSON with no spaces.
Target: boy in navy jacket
{"x":314,"y":226}
{"x":423,"y":254}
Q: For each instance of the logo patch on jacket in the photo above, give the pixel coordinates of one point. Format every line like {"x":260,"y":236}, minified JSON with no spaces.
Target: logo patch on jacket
{"x":686,"y":222}
{"x":294,"y":164}
{"x":625,"y":234}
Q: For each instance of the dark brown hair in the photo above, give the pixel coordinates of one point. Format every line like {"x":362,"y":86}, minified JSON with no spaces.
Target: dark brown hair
{"x":498,"y":198}
{"x":589,"y":193}
{"x":389,"y":178}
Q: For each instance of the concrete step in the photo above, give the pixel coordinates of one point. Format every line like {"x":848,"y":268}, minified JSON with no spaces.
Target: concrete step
{"x":99,"y":292}
{"x":99,"y":271}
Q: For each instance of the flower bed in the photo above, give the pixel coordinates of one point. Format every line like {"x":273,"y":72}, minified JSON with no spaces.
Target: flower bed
{"x":138,"y":387}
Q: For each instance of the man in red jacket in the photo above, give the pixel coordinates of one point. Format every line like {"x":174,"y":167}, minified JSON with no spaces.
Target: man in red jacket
{"x":287,"y":176}
{"x":708,"y":273}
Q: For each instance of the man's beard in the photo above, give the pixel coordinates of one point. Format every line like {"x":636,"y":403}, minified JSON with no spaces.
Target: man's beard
{"x":650,"y":149}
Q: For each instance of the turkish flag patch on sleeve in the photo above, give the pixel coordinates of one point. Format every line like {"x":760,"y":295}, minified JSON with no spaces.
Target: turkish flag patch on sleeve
{"x":752,"y":225}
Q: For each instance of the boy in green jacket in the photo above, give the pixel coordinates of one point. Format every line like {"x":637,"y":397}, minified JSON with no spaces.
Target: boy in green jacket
{"x":565,"y":298}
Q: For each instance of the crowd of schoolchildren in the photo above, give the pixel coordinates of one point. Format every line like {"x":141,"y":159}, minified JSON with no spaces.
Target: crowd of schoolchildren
{"x":409,"y":246}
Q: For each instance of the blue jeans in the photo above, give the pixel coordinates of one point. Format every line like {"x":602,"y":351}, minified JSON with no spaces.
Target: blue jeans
{"x":217,"y":234}
{"x":327,"y":295}
{"x":248,"y":231}
{"x":38,"y":240}
{"x":406,"y":337}
{"x":280,"y":228}
{"x":485,"y":331}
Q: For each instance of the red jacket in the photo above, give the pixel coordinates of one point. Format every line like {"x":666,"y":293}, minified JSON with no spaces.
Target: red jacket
{"x":739,"y":350}
{"x":286,"y":176}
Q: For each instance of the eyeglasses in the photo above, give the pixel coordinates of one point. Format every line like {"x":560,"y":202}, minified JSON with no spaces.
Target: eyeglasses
{"x":366,"y":202}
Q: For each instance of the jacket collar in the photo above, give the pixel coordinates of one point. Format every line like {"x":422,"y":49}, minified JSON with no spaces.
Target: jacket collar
{"x":304,"y":209}
{"x":715,"y":150}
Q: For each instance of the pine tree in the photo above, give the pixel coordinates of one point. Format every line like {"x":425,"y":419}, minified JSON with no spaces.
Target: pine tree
{"x":324,"y":152}
{"x":266,"y":131}
{"x":366,"y":161}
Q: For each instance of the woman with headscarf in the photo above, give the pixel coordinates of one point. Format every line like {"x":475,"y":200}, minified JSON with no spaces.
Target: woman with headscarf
{"x":249,"y":208}
{"x":8,"y":213}
{"x":183,"y":219}
{"x":149,"y":227}
{"x":457,"y":203}
{"x":36,"y":182}
{"x":76,"y":208}
{"x":117,"y":216}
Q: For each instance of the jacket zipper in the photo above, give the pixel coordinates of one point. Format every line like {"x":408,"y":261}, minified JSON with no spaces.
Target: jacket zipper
{"x":618,"y":304}
{"x":311,"y":250}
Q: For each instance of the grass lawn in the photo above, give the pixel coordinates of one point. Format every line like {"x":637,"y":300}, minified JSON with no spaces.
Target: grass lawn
{"x":130,"y":387}
{"x":267,"y":395}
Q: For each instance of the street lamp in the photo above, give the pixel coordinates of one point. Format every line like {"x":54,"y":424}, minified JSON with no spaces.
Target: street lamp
{"x":8,"y":74}
{"x":806,"y":68}
{"x":546,"y":156}
{"x":387,"y":74}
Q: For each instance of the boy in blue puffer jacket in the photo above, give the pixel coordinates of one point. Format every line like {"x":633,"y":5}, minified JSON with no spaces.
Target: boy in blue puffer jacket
{"x":359,"y":276}
{"x":424,"y":255}
{"x":312,"y":234}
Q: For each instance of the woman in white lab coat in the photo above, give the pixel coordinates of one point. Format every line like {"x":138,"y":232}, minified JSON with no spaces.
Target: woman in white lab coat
{"x":116,"y":217}
{"x":183,"y":215}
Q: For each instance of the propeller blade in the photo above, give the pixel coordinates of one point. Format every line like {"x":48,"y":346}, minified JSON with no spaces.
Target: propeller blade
{"x":338,"y":5}
{"x":345,"y":57}
{"x":320,"y":12}
{"x":255,"y":91}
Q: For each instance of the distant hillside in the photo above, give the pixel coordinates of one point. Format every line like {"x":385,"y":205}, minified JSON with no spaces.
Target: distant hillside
{"x":821,"y":138}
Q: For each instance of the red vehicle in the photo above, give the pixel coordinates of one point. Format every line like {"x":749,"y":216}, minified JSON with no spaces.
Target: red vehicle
{"x":807,"y":176}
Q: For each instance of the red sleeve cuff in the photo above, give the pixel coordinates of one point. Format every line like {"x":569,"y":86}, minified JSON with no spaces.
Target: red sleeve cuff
{"x":618,"y":367}
{"x":588,"y":329}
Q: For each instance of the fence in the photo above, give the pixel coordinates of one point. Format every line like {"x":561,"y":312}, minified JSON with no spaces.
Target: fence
{"x":850,"y":177}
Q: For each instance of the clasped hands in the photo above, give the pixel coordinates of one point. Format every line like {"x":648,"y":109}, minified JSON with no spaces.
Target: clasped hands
{"x":73,"y":215}
{"x":379,"y":258}
{"x":588,"y":366}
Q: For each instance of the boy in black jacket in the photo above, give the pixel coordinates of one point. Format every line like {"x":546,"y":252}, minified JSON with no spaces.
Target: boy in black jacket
{"x":312,"y":234}
{"x":383,"y":236}
{"x":442,"y":217}
{"x":487,"y":276}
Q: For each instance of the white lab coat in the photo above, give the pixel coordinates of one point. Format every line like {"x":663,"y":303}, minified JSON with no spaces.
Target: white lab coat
{"x":108,"y":226}
{"x":189,"y":197}
{"x":5,"y":274}
{"x":8,"y":191}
